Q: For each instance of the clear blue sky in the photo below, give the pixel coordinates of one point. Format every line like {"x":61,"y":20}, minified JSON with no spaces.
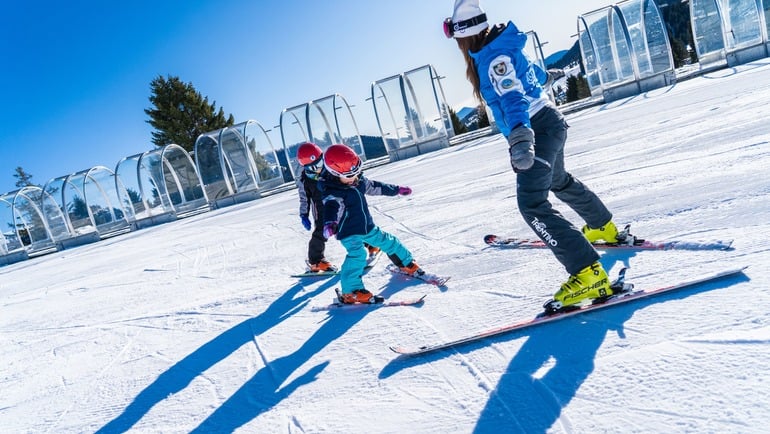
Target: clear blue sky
{"x":75,"y":75}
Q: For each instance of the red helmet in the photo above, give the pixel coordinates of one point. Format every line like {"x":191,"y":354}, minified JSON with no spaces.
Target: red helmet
{"x":342,"y":161}
{"x":308,"y":153}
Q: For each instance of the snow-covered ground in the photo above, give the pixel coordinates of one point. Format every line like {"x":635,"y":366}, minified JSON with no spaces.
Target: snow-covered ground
{"x":196,"y":326}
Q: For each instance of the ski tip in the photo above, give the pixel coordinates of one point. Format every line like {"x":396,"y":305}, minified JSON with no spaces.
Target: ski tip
{"x":739,"y":269}
{"x":406,"y":352}
{"x":440,"y":282}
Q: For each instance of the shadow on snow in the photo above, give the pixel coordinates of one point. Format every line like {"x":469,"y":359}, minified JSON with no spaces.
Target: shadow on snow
{"x":551,"y":365}
{"x":263,"y":390}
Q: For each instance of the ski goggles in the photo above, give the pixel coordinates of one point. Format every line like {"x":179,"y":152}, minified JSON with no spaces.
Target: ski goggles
{"x":450,"y":28}
{"x":312,"y":170}
{"x":350,"y":174}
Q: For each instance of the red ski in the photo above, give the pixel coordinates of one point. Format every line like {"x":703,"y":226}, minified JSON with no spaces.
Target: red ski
{"x":613,"y":300}
{"x":385,"y":303}
{"x":626,"y":241}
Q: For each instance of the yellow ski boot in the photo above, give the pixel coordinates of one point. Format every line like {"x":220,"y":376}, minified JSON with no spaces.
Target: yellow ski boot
{"x":590,"y":283}
{"x":608,"y":233}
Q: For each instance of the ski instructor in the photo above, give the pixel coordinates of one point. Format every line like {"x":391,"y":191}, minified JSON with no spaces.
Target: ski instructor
{"x":509,"y":83}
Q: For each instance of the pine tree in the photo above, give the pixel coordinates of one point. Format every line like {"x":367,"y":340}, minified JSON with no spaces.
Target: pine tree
{"x":458,"y":126}
{"x":181,"y":114}
{"x":23,"y":178}
{"x":577,"y":88}
{"x":483,"y":116}
{"x":584,"y":90}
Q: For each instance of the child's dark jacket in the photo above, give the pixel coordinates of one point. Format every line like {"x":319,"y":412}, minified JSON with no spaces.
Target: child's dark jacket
{"x":346,"y":204}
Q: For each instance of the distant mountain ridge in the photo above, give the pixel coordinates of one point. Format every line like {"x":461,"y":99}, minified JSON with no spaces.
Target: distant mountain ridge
{"x":555,"y":57}
{"x":567,"y":57}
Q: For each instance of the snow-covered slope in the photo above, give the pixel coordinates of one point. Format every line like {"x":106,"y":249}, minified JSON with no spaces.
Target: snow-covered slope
{"x":196,"y":326}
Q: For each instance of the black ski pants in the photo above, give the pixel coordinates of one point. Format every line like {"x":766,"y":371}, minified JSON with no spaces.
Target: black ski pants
{"x":548,"y":174}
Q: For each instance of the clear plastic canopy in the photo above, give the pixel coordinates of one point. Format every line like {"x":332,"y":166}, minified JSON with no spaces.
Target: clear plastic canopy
{"x":625,"y":44}
{"x":71,"y":200}
{"x":236,"y":160}
{"x":223,"y":164}
{"x":158,"y":182}
{"x":211,"y":166}
{"x":731,"y":31}
{"x":90,"y":202}
{"x":31,"y":220}
{"x":263,"y":154}
{"x":411,"y":111}
{"x":324,"y":121}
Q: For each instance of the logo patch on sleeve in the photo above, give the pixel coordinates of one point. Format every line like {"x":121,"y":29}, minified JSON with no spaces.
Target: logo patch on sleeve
{"x":500,"y":68}
{"x":503,"y":77}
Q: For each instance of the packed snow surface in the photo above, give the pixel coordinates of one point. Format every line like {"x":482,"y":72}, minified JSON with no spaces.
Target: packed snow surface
{"x":195,"y":325}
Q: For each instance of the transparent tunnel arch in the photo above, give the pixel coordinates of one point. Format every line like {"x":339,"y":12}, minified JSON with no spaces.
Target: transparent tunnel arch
{"x":224,"y":167}
{"x":32,"y":221}
{"x":237,"y":163}
{"x":324,"y":121}
{"x":9,"y":242}
{"x":160,"y":185}
{"x":625,"y":49}
{"x":267,"y":164}
{"x":90,"y":202}
{"x":730,"y":32}
{"x":411,"y":112}
{"x":71,"y":200}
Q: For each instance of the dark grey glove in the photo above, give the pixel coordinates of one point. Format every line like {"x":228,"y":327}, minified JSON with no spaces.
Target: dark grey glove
{"x":521,"y":145}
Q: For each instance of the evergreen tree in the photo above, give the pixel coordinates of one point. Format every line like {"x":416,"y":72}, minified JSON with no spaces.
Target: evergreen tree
{"x":23,"y":178}
{"x":584,"y":90}
{"x":181,"y":114}
{"x":483,"y":117}
{"x":458,"y":126}
{"x":422,"y":127}
{"x":572,"y":88}
{"x":679,"y":53}
{"x":577,"y":88}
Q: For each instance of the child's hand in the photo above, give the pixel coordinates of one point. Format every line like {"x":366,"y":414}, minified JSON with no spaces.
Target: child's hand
{"x":305,"y":221}
{"x":330,"y":229}
{"x":404,"y":191}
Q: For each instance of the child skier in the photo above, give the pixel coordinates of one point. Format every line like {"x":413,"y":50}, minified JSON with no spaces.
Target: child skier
{"x":346,"y":215}
{"x":309,"y":156}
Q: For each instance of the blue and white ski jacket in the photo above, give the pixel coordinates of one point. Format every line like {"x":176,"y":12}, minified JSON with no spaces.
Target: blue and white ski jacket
{"x":509,"y":81}
{"x":346,"y":204}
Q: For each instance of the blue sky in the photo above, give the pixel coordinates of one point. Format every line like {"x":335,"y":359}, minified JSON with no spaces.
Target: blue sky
{"x":75,"y":76}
